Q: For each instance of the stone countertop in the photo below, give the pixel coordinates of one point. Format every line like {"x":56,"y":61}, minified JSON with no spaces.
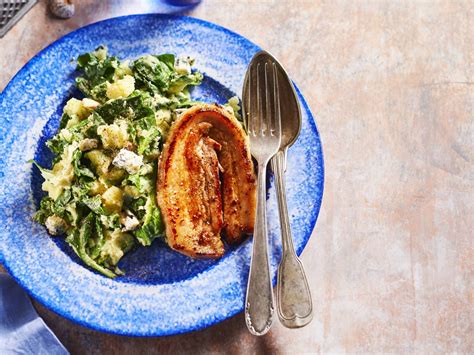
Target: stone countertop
{"x":391,"y":261}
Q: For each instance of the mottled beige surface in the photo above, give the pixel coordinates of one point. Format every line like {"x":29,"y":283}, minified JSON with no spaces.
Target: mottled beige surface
{"x":391,"y":85}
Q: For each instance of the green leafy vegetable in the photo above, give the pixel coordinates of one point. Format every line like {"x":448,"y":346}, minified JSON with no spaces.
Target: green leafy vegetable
{"x":94,"y":204}
{"x":106,"y":207}
{"x":154,"y":72}
{"x":152,"y":223}
{"x":97,"y":69}
{"x":79,"y":239}
{"x":80,"y":170}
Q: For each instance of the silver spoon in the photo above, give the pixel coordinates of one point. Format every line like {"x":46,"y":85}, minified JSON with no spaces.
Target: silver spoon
{"x":294,"y":304}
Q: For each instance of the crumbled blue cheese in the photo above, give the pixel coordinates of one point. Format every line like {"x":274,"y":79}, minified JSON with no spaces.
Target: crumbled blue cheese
{"x":88,"y":144}
{"x":128,"y":160}
{"x":183,"y":65}
{"x":55,"y":225}
{"x":129,"y":221}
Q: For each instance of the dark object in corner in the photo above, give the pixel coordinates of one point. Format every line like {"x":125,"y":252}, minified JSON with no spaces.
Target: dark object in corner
{"x":62,"y":8}
{"x":11,"y":11}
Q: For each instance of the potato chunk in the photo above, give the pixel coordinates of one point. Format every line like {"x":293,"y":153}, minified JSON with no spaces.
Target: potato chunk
{"x":121,"y":88}
{"x":113,"y":136}
{"x":99,"y":160}
{"x":112,"y":199}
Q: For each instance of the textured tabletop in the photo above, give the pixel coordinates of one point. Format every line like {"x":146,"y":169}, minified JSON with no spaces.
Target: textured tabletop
{"x":391,"y":85}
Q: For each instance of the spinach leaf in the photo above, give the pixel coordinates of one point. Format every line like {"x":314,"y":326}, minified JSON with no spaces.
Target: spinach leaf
{"x":149,"y":145}
{"x":100,"y":240}
{"x":56,"y":145}
{"x":153,"y":226}
{"x":80,"y":170}
{"x":46,"y":209}
{"x":64,"y":120}
{"x":94,"y":204}
{"x":154,"y":72}
{"x":79,"y":239}
{"x":97,"y":68}
{"x":131,"y":108}
{"x":179,"y":83}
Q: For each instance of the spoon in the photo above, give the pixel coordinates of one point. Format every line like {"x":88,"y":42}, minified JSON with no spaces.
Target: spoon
{"x":294,"y":304}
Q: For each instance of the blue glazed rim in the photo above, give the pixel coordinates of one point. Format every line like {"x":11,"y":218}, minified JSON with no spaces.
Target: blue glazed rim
{"x":313,"y":213}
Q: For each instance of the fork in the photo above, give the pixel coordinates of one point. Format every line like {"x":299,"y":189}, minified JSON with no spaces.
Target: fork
{"x":262,"y":113}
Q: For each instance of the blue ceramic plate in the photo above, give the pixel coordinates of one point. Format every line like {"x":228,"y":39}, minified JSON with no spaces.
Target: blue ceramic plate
{"x":162,"y":292}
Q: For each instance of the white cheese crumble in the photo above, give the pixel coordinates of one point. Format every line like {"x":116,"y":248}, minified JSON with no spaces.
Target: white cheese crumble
{"x":88,"y":144}
{"x":129,"y":221}
{"x":183,"y":65}
{"x":55,"y":225}
{"x":128,"y":160}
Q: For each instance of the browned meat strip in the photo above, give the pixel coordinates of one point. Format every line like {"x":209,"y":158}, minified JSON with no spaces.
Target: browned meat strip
{"x":206,"y":139}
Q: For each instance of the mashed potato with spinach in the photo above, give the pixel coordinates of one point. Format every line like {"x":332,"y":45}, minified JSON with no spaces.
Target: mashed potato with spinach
{"x":101,"y":188}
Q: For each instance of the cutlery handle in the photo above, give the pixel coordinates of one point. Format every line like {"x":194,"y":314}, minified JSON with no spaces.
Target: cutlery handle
{"x":295,"y":308}
{"x":259,"y":301}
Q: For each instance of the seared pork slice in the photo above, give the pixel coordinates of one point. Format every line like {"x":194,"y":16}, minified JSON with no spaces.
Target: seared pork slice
{"x":205,"y":142}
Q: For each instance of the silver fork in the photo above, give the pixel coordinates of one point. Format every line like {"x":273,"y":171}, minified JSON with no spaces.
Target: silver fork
{"x":262,"y":111}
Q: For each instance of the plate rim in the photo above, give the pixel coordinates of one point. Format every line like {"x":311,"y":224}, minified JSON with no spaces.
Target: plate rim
{"x":202,"y":324}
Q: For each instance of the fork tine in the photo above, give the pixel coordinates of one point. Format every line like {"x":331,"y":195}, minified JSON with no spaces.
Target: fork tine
{"x":263,"y":103}
{"x":276,"y":97}
{"x":258,"y":117}
{"x":268,"y":112}
{"x":250,"y":102}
